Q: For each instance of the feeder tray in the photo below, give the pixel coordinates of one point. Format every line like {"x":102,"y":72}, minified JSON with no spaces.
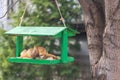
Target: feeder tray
{"x":38,"y":61}
{"x":57,"y":32}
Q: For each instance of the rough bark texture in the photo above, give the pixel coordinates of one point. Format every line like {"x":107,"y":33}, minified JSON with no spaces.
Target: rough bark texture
{"x":112,"y":39}
{"x":102,"y":19}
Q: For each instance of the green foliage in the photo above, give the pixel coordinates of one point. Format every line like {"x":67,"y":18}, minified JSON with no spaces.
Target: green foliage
{"x":39,"y":13}
{"x":45,"y":13}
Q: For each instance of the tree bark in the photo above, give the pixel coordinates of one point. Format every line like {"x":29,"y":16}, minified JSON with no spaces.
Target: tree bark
{"x":95,"y":23}
{"x":112,"y":39}
{"x":102,"y":22}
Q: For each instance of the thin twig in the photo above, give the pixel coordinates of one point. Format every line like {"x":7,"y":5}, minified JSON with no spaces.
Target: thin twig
{"x":9,"y":7}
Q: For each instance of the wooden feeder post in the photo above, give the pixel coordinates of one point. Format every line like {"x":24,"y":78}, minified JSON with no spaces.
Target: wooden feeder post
{"x":64,"y":46}
{"x":19,"y":45}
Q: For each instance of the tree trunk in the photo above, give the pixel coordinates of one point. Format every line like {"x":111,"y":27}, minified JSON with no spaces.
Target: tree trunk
{"x":102,"y":21}
{"x":112,"y":39}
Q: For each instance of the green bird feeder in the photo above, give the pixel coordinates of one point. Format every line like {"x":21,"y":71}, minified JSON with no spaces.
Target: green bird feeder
{"x":58,"y":32}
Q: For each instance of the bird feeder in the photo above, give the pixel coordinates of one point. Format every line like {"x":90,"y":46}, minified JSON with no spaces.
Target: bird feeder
{"x":58,"y":32}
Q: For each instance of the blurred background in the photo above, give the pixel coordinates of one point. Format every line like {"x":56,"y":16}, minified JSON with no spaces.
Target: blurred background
{"x":43,"y":13}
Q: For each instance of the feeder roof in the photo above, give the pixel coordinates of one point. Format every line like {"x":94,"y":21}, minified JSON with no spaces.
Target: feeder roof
{"x":42,"y":31}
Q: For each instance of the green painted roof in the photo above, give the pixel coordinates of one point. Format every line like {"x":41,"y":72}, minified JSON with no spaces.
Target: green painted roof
{"x":36,"y":30}
{"x":46,"y":31}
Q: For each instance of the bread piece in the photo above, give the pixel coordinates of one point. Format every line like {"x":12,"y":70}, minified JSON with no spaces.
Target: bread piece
{"x":35,"y":52}
{"x":51,"y":55}
{"x":42,"y":51}
{"x":50,"y":58}
{"x":25,"y":54}
{"x":29,"y":52}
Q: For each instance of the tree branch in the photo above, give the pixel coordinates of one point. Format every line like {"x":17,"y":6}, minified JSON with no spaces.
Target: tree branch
{"x":9,"y":7}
